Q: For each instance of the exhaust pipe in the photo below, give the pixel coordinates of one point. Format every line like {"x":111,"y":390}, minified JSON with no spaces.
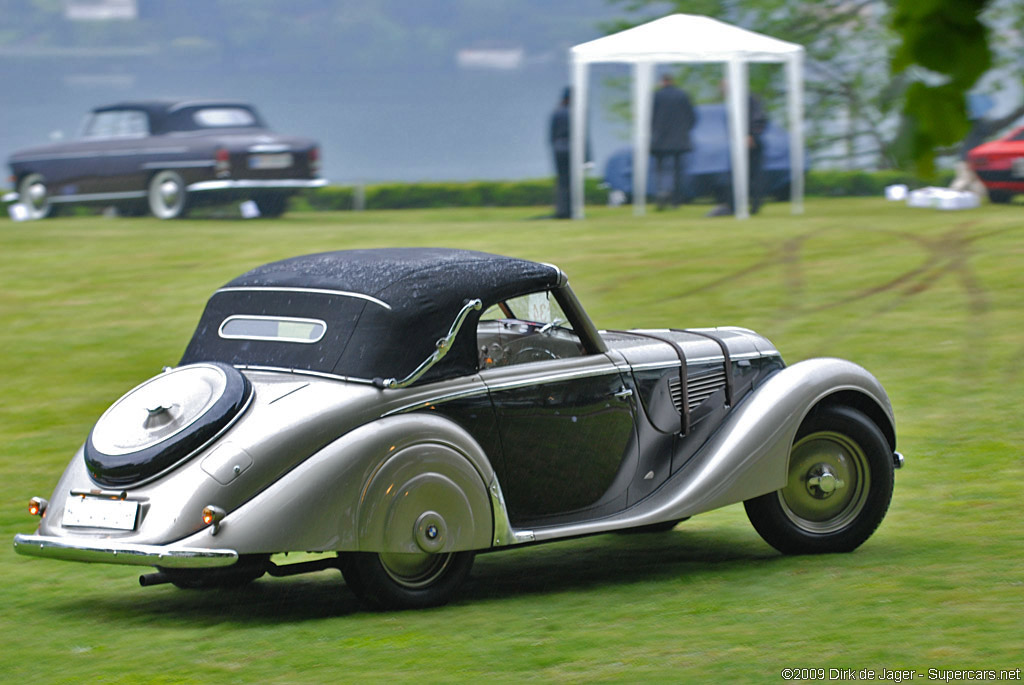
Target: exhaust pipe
{"x":158,"y":578}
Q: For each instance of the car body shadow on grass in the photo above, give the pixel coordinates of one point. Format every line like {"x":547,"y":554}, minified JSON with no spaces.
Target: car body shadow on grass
{"x":582,"y":565}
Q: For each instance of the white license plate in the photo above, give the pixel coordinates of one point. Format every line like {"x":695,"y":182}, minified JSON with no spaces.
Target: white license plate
{"x":1017,"y":167}
{"x":278,"y":161}
{"x":95,"y":512}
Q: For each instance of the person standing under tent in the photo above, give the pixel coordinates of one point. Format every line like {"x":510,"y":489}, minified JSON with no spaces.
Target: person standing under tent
{"x":672,"y":119}
{"x":558,"y":137}
{"x":757,"y":122}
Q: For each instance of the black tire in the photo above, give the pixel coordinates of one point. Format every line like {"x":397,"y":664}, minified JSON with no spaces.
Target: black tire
{"x":840,"y":485}
{"x":167,"y":195}
{"x":35,"y":196}
{"x":405,"y":581}
{"x":247,"y":569}
{"x":999,"y":197}
{"x":272,"y":205}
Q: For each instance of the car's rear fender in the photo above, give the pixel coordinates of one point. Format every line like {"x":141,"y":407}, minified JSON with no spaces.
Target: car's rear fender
{"x":408,"y":483}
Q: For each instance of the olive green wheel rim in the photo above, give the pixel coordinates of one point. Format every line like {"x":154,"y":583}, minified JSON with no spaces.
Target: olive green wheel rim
{"x":829,"y":480}
{"x":414,"y":571}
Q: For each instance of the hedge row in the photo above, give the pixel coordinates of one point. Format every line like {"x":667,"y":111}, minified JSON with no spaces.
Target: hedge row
{"x":540,"y":192}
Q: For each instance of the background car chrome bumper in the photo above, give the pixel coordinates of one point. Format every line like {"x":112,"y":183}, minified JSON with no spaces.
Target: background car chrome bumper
{"x":110,"y":552}
{"x":268,"y":184}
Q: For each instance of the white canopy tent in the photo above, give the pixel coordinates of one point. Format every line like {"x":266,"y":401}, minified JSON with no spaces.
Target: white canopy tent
{"x":689,"y":38}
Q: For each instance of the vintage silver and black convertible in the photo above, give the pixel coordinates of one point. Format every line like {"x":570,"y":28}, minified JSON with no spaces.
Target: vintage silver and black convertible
{"x":167,"y":156}
{"x":409,"y":408}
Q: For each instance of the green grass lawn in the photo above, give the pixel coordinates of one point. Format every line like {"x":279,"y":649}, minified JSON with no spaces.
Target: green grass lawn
{"x":930,"y":302}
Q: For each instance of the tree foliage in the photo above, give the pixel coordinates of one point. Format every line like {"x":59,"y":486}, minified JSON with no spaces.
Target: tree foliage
{"x":949,"y":44}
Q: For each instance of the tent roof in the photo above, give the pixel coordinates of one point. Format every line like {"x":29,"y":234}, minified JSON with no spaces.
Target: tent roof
{"x":685,"y":38}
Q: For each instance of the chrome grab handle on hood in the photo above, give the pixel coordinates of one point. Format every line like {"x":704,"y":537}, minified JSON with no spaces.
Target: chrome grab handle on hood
{"x":443,"y":345}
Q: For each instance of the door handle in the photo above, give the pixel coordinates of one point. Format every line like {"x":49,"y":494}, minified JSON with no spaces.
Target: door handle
{"x":623,"y":395}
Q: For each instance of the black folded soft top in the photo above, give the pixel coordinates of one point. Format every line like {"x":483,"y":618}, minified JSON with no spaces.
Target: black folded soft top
{"x":384,"y":309}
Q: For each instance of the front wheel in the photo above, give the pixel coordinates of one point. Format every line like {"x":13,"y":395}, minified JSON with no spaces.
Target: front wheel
{"x":167,"y":195}
{"x":405,"y":581}
{"x":35,"y":197}
{"x":839,"y":488}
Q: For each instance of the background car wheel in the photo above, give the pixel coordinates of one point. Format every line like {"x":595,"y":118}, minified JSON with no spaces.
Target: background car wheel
{"x":35,"y":196}
{"x":168,"y":197}
{"x":405,"y":581}
{"x":247,"y":569}
{"x":272,"y":204}
{"x":999,"y":197}
{"x":840,"y":485}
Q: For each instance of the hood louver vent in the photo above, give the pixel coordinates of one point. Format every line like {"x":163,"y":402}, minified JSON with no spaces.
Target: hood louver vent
{"x":699,"y":389}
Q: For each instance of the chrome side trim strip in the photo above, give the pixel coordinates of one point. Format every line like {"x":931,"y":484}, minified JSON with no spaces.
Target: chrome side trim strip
{"x":442,"y":345}
{"x":646,"y":366}
{"x":95,"y":197}
{"x":105,"y":551}
{"x":244,"y":183}
{"x":438,"y":399}
{"x":303,"y":372}
{"x":554,"y":377}
{"x":198,"y":164}
{"x":315,"y":291}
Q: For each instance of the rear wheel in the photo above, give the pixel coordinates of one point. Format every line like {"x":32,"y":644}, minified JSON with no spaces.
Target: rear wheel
{"x":35,"y":196}
{"x":168,"y":196}
{"x":405,"y":581}
{"x":840,"y":485}
{"x":272,"y":204}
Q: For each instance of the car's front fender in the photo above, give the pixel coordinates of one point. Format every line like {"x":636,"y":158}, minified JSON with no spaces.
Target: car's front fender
{"x":748,"y":455}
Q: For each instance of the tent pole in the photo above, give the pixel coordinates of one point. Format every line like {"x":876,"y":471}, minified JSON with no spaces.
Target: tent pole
{"x":739,"y":123}
{"x":794,"y":74}
{"x":577,"y":136}
{"x":642,"y":79}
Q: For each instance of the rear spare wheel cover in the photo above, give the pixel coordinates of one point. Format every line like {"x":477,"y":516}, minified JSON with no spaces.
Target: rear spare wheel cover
{"x":164,"y":420}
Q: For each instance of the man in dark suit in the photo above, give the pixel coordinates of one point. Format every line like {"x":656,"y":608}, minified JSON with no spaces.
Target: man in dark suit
{"x":757,"y":121}
{"x":559,"y":139}
{"x":672,"y":118}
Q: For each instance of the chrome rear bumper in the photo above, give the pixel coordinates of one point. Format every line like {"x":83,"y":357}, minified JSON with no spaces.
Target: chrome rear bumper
{"x":111,"y":552}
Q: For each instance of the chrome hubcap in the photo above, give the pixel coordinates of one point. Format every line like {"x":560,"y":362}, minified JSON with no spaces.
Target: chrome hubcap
{"x":37,"y":195}
{"x":170,"y":192}
{"x":828,"y":482}
{"x":414,"y":570}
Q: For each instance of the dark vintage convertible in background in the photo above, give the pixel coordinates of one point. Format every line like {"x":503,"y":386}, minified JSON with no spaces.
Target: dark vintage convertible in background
{"x":167,"y":156}
{"x":405,"y":409}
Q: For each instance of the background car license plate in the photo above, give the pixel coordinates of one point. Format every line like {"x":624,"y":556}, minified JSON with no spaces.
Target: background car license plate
{"x":1017,"y":167}
{"x":93,"y":512}
{"x":278,"y":161}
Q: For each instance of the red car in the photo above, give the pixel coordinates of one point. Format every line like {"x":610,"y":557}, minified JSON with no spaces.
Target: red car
{"x":1000,"y":165}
